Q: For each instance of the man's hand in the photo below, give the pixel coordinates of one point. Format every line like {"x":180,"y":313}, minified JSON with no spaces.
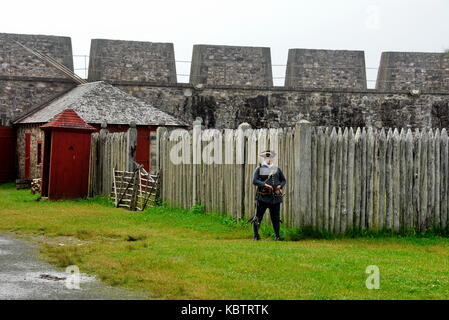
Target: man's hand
{"x":268,"y":186}
{"x":277,"y":188}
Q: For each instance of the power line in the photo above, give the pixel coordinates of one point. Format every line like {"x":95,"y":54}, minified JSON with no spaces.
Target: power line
{"x":148,"y":74}
{"x":280,"y":78}
{"x":10,"y":65}
{"x":301,"y":66}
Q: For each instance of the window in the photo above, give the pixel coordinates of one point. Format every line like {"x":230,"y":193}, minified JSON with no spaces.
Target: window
{"x":39,"y":153}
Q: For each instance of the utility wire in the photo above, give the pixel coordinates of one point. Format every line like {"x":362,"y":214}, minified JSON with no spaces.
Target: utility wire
{"x":130,"y":58}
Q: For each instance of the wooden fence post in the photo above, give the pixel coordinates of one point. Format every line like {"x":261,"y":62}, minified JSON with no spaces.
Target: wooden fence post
{"x":157,"y":150}
{"x":302,"y":173}
{"x":240,"y":158}
{"x":132,"y":145}
{"x":161,"y":133}
{"x":102,"y":156}
{"x":444,"y":179}
{"x":196,"y":150}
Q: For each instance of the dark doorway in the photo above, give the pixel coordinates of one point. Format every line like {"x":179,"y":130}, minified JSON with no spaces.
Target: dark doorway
{"x":8,"y":154}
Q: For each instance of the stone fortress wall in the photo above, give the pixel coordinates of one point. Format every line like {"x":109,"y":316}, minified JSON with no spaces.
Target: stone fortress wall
{"x":413,"y":70}
{"x":229,"y":84}
{"x":317,"y":69}
{"x":231,"y":66}
{"x":25,"y":80}
{"x":132,"y":61}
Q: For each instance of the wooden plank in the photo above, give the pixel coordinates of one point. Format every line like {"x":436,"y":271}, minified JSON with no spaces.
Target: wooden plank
{"x":303,"y":170}
{"x":396,"y":180}
{"x":409,"y":204}
{"x":357,"y":179}
{"x":344,"y":182}
{"x":314,"y":177}
{"x":326,"y":179}
{"x":115,"y":188}
{"x":431,"y":180}
{"x":333,"y":179}
{"x":363,"y":181}
{"x":389,"y":182}
{"x":350,"y":181}
{"x":382,"y":196}
{"x":294,"y":215}
{"x":437,"y":181}
{"x":423,"y":182}
{"x":320,"y":158}
{"x":444,"y":169}
{"x":375,"y":181}
{"x":338,"y":180}
{"x":369,"y":178}
{"x":402,"y":180}
{"x":416,"y":179}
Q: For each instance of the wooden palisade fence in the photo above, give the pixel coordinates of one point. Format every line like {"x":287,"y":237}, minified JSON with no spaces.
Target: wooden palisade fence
{"x":109,"y":151}
{"x":338,"y":179}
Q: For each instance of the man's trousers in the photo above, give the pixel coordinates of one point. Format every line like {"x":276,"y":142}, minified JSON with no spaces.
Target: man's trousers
{"x":275,"y":209}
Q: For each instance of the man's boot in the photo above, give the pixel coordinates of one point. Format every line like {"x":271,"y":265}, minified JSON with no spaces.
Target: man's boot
{"x":256,"y":229}
{"x":276,"y":227}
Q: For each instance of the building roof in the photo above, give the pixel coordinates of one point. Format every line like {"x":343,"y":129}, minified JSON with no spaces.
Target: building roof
{"x":68,"y":119}
{"x":96,"y":102}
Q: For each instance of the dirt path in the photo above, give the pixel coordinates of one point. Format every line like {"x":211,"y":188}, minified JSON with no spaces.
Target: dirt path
{"x":24,"y":276}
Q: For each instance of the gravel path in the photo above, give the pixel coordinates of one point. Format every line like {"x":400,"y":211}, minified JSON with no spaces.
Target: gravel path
{"x":24,"y":276}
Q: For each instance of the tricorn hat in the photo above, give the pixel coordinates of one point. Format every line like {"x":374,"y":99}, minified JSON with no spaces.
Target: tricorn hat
{"x":268,"y":154}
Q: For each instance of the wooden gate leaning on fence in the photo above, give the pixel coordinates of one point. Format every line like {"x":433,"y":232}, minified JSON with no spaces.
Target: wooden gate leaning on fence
{"x":338,"y":179}
{"x":114,"y":172}
{"x":134,"y":190}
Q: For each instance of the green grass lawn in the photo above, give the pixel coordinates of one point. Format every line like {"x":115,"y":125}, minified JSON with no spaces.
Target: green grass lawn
{"x":178,"y":254}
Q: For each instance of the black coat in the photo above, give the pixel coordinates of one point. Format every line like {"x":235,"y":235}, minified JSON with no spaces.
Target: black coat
{"x":261,"y":176}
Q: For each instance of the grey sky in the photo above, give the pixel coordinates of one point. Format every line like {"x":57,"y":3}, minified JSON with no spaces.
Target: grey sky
{"x":372,"y":26}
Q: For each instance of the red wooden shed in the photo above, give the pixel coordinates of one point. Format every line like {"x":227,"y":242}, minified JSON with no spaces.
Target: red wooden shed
{"x":65,"y":172}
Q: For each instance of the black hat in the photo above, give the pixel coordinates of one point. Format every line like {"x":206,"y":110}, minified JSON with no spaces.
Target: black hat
{"x":268,"y":154}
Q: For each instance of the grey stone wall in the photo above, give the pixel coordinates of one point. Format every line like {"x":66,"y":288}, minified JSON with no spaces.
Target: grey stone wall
{"x":19,"y":96}
{"x":413,"y":70}
{"x":231,"y":66}
{"x":307,"y":68}
{"x":226,"y":107}
{"x":16,"y":61}
{"x":327,"y":87}
{"x":132,"y":61}
{"x":36,"y":134}
{"x":25,"y":80}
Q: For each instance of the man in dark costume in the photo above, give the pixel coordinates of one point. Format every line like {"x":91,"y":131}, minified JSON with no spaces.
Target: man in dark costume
{"x":269,"y":180}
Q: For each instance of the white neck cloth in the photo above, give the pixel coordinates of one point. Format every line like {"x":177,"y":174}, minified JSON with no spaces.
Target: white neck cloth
{"x":266,"y":164}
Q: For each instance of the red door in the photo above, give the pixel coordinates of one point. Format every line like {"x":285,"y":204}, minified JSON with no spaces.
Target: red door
{"x":69,"y":165}
{"x":143,"y":147}
{"x":27,"y":154}
{"x":8,"y":154}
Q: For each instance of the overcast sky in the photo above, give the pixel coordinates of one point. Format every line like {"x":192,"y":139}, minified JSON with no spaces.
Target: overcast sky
{"x":372,"y":26}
